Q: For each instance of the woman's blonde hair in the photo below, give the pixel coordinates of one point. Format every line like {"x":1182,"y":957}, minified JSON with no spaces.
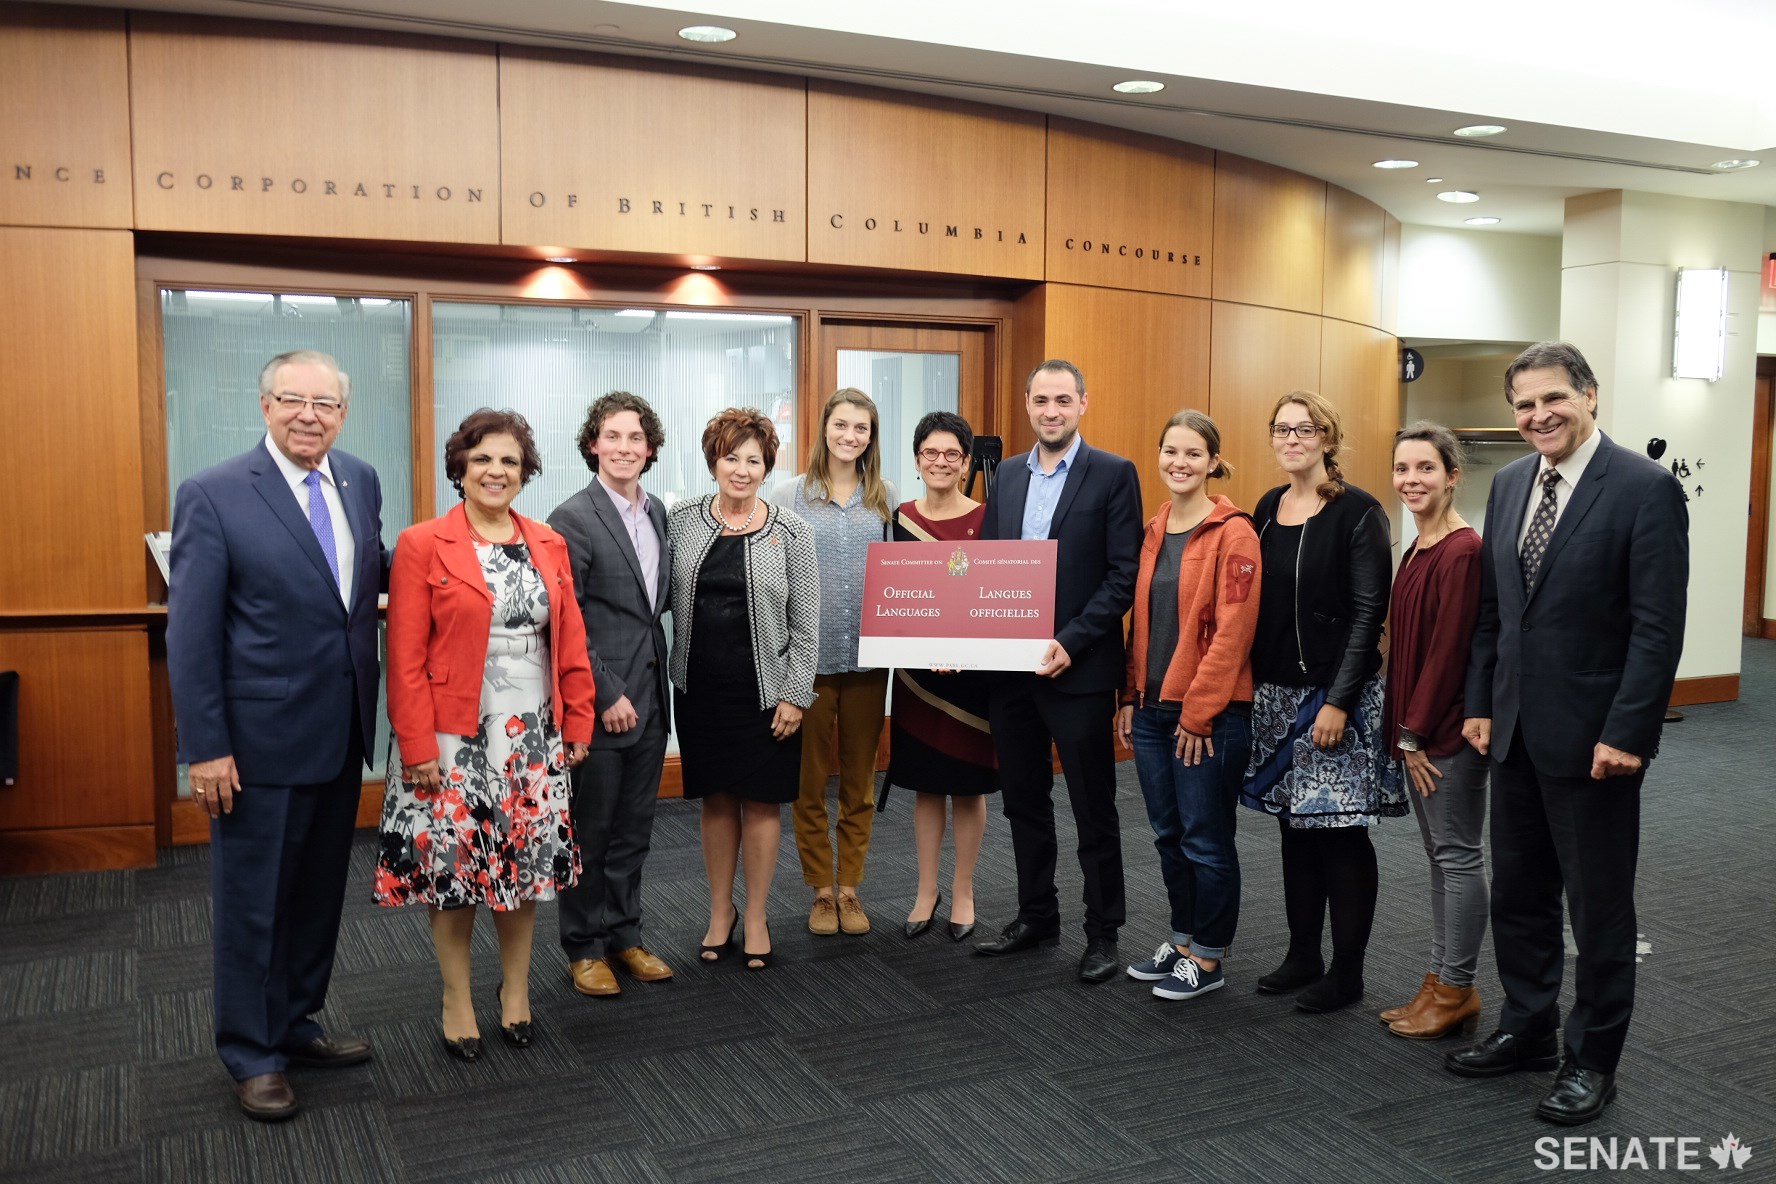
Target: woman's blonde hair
{"x":818,"y":479}
{"x":1325,"y":417}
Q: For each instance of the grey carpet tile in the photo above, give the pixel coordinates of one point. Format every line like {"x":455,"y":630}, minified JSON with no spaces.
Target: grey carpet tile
{"x":1468,"y":1131}
{"x":905,"y":1053}
{"x":165,"y":923}
{"x":63,"y":1041}
{"x":48,"y":985}
{"x":176,"y":1026}
{"x":392,"y":937}
{"x":506,"y":1126}
{"x":1018,"y":1129}
{"x":52,"y":936}
{"x":848,"y":1147}
{"x":322,"y":1144}
{"x":828,"y":995}
{"x":680,"y":1096}
{"x":1208,"y":1090}
{"x":683,"y":1016}
{"x":1347,"y":1055}
{"x":181,"y":968}
{"x":63,"y":1115}
{"x":410,"y":1058}
{"x":1070,"y":1024}
{"x":1741,"y":1054}
{"x":187,"y":1094}
{"x":39,"y":897}
{"x":622,"y":1165}
{"x":1309,"y":1148}
{"x":120,"y":1166}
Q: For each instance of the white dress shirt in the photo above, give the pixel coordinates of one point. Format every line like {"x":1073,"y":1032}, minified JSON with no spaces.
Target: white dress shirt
{"x":344,"y":544}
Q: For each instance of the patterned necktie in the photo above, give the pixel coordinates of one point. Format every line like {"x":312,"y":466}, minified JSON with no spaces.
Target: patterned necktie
{"x":322,"y":521}
{"x":1541,"y":529}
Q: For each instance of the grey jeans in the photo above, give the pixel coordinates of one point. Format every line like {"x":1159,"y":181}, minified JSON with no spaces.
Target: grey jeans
{"x":1452,"y":822}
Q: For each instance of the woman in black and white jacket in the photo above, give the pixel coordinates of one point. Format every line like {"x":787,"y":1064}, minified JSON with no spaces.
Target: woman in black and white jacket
{"x":745,"y":584}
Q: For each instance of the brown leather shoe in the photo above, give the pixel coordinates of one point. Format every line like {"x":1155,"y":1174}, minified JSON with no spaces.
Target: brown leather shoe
{"x":592,"y":976}
{"x":1413,"y":1004}
{"x":852,"y":918}
{"x":643,"y":966}
{"x":330,"y":1052}
{"x":823,"y":918}
{"x":266,"y":1098}
{"x":1449,"y":1010}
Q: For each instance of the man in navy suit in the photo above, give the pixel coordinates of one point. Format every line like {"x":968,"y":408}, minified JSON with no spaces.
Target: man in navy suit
{"x":1090,"y":503}
{"x":1583,"y":585}
{"x":277,"y":561}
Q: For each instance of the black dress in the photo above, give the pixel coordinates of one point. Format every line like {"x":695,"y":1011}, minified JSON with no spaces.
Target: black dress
{"x":724,"y":741}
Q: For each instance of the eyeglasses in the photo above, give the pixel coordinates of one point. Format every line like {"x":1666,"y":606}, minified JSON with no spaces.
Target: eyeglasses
{"x":932,"y":455}
{"x":322,"y":407}
{"x":1301,"y":431}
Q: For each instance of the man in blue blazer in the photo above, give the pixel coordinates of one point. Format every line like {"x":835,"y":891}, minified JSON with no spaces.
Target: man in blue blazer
{"x":277,"y":561}
{"x":616,"y":541}
{"x":1090,"y":503}
{"x":1583,"y":585}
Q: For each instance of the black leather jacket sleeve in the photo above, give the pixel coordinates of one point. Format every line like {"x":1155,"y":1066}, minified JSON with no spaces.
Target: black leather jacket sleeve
{"x":1370,"y":569}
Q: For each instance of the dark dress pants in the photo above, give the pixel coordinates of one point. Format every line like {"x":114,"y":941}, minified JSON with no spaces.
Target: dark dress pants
{"x":1027,"y":714}
{"x":614,"y":794}
{"x":1583,"y":836}
{"x":278,"y":864}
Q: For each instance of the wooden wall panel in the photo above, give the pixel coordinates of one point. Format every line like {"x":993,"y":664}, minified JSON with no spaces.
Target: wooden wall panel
{"x":64,"y":117}
{"x":906,"y":181}
{"x":85,"y":756}
{"x":68,"y":361}
{"x":1144,"y":356}
{"x":249,"y":128}
{"x":1358,"y":373}
{"x":609,"y":154}
{"x":1258,"y":354}
{"x":1355,"y":250}
{"x":1270,"y":227}
{"x":1129,"y":211}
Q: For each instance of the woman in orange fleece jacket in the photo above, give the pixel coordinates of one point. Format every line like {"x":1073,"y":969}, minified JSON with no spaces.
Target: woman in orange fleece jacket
{"x":1186,"y":705}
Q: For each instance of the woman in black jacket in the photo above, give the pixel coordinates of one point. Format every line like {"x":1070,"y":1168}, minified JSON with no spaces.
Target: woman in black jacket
{"x":1319,"y":762}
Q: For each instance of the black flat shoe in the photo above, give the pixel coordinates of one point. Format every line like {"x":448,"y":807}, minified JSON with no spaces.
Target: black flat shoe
{"x":1505,"y":1052}
{"x":516,"y":1034}
{"x":763,"y":960}
{"x":1331,"y":993}
{"x":1015,"y":938}
{"x":466,"y":1049}
{"x":961,"y":932}
{"x":918,"y":928}
{"x":713,"y":953}
{"x":1292,"y":975}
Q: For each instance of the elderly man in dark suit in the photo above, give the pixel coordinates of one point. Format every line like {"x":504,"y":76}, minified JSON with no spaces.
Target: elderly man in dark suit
{"x":1583,"y":585}
{"x":616,"y":540}
{"x":277,"y":561}
{"x":1090,"y":502}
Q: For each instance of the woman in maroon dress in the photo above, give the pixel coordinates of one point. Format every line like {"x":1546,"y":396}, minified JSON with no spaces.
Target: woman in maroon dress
{"x":940,"y":746}
{"x":1435,"y":603}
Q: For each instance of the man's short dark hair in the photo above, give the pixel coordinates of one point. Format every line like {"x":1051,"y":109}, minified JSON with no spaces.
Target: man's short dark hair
{"x":606,"y":406}
{"x":1552,"y":353}
{"x":1059,"y":366}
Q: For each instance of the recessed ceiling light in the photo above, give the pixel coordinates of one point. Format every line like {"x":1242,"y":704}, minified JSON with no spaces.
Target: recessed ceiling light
{"x":1460,"y":197}
{"x":1475,"y":131}
{"x":1396,"y":164}
{"x":1138,"y":86}
{"x":562,"y":259}
{"x":1726,"y":166}
{"x":705,"y":267}
{"x":707,"y":34}
{"x":1481,"y":221}
{"x":1433,"y":180}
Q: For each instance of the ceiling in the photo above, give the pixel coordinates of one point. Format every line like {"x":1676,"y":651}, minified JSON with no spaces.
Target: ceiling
{"x":1594,"y":96}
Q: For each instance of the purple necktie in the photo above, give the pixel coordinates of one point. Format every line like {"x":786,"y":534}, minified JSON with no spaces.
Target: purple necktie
{"x":322,"y":521}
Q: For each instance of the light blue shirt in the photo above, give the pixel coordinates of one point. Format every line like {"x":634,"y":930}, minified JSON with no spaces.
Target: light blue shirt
{"x":1045,"y":490}
{"x":642,"y":537}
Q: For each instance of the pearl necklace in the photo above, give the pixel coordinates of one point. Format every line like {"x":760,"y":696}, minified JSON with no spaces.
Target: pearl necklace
{"x":715,"y":512}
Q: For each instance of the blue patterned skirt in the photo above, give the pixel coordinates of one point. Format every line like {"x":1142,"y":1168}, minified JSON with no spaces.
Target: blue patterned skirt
{"x":1350,"y":784}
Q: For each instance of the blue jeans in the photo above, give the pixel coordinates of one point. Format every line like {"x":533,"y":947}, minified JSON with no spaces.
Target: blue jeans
{"x":1192,"y":809}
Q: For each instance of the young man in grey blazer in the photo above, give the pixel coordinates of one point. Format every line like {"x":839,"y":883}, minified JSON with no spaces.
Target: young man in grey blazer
{"x":616,"y":539}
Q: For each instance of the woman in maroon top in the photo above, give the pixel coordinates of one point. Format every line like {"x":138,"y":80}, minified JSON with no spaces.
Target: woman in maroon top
{"x":1435,"y":604}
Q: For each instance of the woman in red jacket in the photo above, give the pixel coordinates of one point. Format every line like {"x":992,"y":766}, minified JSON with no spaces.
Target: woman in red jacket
{"x":487,"y":673}
{"x":1186,"y":706}
{"x":1435,"y":605}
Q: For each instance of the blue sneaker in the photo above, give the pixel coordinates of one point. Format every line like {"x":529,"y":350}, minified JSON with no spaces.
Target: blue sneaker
{"x":1159,"y":966}
{"x":1189,"y":980}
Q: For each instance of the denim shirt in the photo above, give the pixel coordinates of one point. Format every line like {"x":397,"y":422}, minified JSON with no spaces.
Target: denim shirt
{"x":842,"y":535}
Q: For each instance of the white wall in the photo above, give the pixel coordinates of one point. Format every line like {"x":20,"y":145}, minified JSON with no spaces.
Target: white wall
{"x":1478,"y":285}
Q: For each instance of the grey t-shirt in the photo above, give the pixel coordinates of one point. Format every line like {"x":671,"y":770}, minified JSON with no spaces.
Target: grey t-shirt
{"x":1162,"y":611}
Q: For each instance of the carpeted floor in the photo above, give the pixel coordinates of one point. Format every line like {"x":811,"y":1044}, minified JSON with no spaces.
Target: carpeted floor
{"x":878,"y":1059}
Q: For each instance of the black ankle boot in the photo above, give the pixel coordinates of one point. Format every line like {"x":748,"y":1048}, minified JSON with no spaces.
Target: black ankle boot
{"x":1297,"y":971}
{"x":1338,"y":989}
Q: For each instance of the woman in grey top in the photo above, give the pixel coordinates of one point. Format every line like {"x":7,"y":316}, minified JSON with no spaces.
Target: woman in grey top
{"x":848,"y":504}
{"x":746,"y":617}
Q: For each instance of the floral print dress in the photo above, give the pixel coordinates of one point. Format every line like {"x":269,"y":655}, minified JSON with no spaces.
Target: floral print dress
{"x":498,"y":829}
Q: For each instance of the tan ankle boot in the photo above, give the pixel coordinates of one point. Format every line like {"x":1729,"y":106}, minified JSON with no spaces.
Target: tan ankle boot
{"x":1413,"y":1004}
{"x":1450,"y":1010}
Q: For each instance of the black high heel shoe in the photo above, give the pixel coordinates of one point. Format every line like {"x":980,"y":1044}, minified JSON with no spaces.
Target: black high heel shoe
{"x":517,"y":1035}
{"x":763,"y":960}
{"x":918,"y":928}
{"x":466,"y":1049}
{"x":713,"y":953}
